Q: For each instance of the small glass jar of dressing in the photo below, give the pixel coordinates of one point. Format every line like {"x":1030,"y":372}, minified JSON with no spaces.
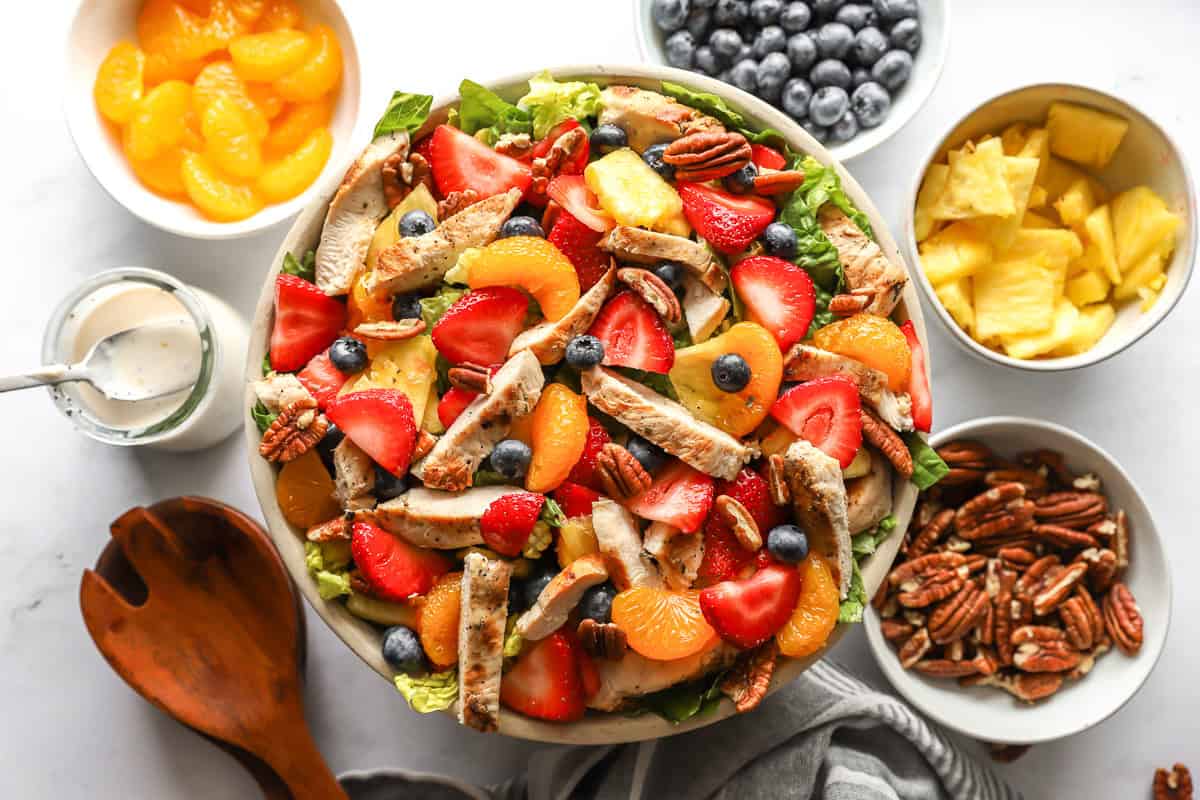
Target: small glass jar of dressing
{"x":207,"y":338}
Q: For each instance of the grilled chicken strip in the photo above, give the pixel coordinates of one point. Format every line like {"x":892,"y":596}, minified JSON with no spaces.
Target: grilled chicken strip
{"x":869,"y":498}
{"x":869,"y":273}
{"x":280,"y":390}
{"x":640,"y":246}
{"x":548,"y":340}
{"x":819,"y":500}
{"x":636,"y":675}
{"x":677,"y":554}
{"x":439,"y":520}
{"x":354,"y":477}
{"x":621,"y":544}
{"x":703,"y":309}
{"x":482,"y":615}
{"x":805,"y":363}
{"x":560,"y":597}
{"x":649,"y":117}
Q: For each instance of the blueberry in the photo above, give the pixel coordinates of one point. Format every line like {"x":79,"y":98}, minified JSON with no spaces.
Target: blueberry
{"x":522,"y":226}
{"x":825,"y":9}
{"x":856,"y":15}
{"x":773,"y":72}
{"x":795,"y":17}
{"x":834,"y":40}
{"x":818,"y":132}
{"x":681,"y":49}
{"x":870,"y":104}
{"x":860,"y":76}
{"x":402,"y":649}
{"x":725,"y":42}
{"x":707,"y":60}
{"x":608,"y":137}
{"x":830,"y":72}
{"x":730,"y":372}
{"x":869,"y":45}
{"x":650,"y":456}
{"x":893,"y":69}
{"x":584,"y":352}
{"x":669,"y":15}
{"x":596,"y":602}
{"x":348,"y":354}
{"x":770,"y":39}
{"x":827,"y":106}
{"x":765,"y":12}
{"x":895,"y":10}
{"x":532,"y":586}
{"x":787,"y":543}
{"x":387,"y":485}
{"x":698,"y":23}
{"x":779,"y":240}
{"x":906,"y":35}
{"x":406,"y":306}
{"x":329,"y":442}
{"x":802,"y":52}
{"x":742,"y":181}
{"x":796,"y":94}
{"x":510,"y":457}
{"x":672,"y":275}
{"x":745,"y":75}
{"x":725,"y":75}
{"x":748,"y":31}
{"x":844,"y":129}
{"x":416,"y":223}
{"x":731,"y":12}
{"x":653,"y":156}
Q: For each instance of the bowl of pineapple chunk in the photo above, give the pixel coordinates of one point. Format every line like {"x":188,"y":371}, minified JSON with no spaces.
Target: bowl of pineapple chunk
{"x":1054,"y":226}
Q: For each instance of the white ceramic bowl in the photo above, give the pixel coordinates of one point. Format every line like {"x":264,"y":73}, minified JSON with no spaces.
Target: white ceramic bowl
{"x":1147,"y":156}
{"x":995,"y":716}
{"x":363,"y":637}
{"x":98,"y":25}
{"x":927,"y":69}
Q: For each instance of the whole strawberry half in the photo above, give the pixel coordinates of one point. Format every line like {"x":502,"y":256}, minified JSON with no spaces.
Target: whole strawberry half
{"x":825,"y":412}
{"x":726,"y":221}
{"x":575,"y":500}
{"x":584,"y":470}
{"x":322,"y":379}
{"x":306,"y":322}
{"x":479,"y":326}
{"x":547,"y":681}
{"x":633,"y":335}
{"x":918,"y":384}
{"x":779,"y":296}
{"x":508,"y":521}
{"x":459,"y":162}
{"x":380,"y":421}
{"x":395,"y":569}
{"x":748,"y":612}
{"x":579,"y":243}
{"x":680,"y":496}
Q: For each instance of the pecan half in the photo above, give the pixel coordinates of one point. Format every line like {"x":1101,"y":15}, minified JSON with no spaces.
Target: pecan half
{"x":895,"y":630}
{"x":401,"y":175}
{"x":1031,"y":580}
{"x":336,"y":529}
{"x":1051,"y":461}
{"x":1173,"y":784}
{"x":739,"y":519}
{"x":1064,"y":538}
{"x":1120,"y":540}
{"x":954,"y":617}
{"x":1034,"y":482}
{"x":929,"y":563}
{"x":915,"y":648}
{"x":1071,"y":509}
{"x":1122,"y":619}
{"x":929,"y":588}
{"x":968,"y":461}
{"x":391,"y":330}
{"x":602,"y":639}
{"x":456,"y":202}
{"x":932,"y":533}
{"x":985,"y":504}
{"x":877,"y":432}
{"x":470,"y":378}
{"x":1101,"y":567}
{"x":564,"y":151}
{"x":1078,"y":623}
{"x":1041,"y":648}
{"x":654,"y":291}
{"x":1003,"y":619}
{"x":946,"y":668}
{"x":1033,"y":686}
{"x":514,"y":145}
{"x":747,"y":683}
{"x":1054,"y":590}
{"x":779,"y":182}
{"x":707,"y":155}
{"x":620,"y":473}
{"x":294,"y":432}
{"x":781,"y":495}
{"x":1017,"y":557}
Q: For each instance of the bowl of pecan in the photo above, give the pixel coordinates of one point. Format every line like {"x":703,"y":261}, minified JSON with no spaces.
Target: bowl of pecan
{"x":1032,"y":596}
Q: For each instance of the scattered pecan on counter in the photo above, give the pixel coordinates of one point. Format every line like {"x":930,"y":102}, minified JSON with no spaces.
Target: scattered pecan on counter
{"x":1173,"y":784}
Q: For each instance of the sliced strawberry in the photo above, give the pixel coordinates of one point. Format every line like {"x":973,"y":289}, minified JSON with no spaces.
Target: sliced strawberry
{"x":573,"y":194}
{"x":779,"y":296}
{"x":395,"y":569}
{"x":633,"y":335}
{"x":584,"y":470}
{"x":545,"y":682}
{"x":460,"y":162}
{"x":589,"y":676}
{"x":748,"y":612}
{"x":579,"y":243}
{"x":724,"y":557}
{"x":728,"y":222}
{"x":767,"y":157}
{"x":575,"y":500}
{"x":453,"y":403}
{"x":918,"y":384}
{"x":680,"y":496}
{"x":306,"y":322}
{"x":322,"y":379}
{"x":825,"y":412}
{"x":508,"y":521}
{"x":480,"y":325}
{"x":380,"y":421}
{"x":424,"y":148}
{"x":754,"y":493}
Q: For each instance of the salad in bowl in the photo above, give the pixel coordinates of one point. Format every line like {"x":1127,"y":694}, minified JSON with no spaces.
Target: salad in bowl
{"x":589,"y":395}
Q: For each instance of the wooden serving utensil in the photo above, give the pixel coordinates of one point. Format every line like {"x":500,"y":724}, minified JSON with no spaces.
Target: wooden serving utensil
{"x":202,"y":621}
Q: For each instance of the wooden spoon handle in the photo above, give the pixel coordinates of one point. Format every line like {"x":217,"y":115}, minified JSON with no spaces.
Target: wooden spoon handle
{"x":299,"y":764}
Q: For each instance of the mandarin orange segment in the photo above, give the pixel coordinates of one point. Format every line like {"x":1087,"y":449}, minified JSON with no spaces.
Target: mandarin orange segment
{"x":816,"y":613}
{"x":530,"y":263}
{"x":305,"y":492}
{"x":160,"y":67}
{"x":161,"y":174}
{"x":559,"y":433}
{"x":437,"y":620}
{"x":218,"y":78}
{"x":366,"y":306}
{"x":280,"y":14}
{"x":263,"y":96}
{"x":229,"y":137}
{"x":289,"y":176}
{"x":269,"y":56}
{"x":159,"y":120}
{"x":119,"y":82}
{"x":320,"y":72}
{"x":217,"y":196}
{"x":294,"y":126}
{"x":662,"y":624}
{"x":737,"y":413}
{"x":168,"y":28}
{"x":875,"y":341}
{"x":225,"y":23}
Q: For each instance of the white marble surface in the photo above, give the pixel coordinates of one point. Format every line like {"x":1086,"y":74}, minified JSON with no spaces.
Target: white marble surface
{"x":71,"y":729}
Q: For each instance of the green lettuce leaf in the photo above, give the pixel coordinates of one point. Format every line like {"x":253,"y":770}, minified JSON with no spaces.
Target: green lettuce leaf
{"x":262,"y":417}
{"x":552,"y":514}
{"x":482,"y":108}
{"x":405,"y":112}
{"x":852,"y":607}
{"x":867,"y":542}
{"x":704,"y":102}
{"x":327,"y":563}
{"x":513,"y":641}
{"x":684,"y":701}
{"x":771,"y":138}
{"x":436,"y":691}
{"x":305,"y":267}
{"x":432,"y":308}
{"x":822,"y":185}
{"x":550,"y":102}
{"x":928,"y":467}
{"x":266,"y":365}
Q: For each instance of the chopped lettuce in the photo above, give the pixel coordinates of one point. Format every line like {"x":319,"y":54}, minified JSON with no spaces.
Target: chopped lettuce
{"x":706,"y":103}
{"x":305,"y":267}
{"x":436,"y":691}
{"x":867,"y":542}
{"x":432,"y":308}
{"x":863,"y":545}
{"x":550,"y":102}
{"x":405,"y":112}
{"x":327,"y":562}
{"x":928,"y":467}
{"x":266,"y":365}
{"x":686,"y":700}
{"x":822,"y":185}
{"x":483,"y":109}
{"x":513,"y":641}
{"x":262,"y":417}
{"x":852,"y":607}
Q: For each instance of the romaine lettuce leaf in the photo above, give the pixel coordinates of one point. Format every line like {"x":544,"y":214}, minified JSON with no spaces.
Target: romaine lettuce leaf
{"x":704,"y":102}
{"x":262,"y":417}
{"x":852,"y":607}
{"x":327,"y":563}
{"x":684,"y":701}
{"x":482,"y":108}
{"x":405,"y":112}
{"x":550,"y":102}
{"x":432,"y":308}
{"x":928,"y":467}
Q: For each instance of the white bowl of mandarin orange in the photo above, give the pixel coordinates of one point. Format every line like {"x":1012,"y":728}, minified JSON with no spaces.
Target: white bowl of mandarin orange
{"x":211,"y":119}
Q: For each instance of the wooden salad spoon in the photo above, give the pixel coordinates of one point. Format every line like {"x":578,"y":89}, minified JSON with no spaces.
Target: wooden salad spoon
{"x":195,"y":611}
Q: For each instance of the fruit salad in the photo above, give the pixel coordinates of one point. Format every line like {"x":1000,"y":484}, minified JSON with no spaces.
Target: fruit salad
{"x":591,"y":401}
{"x":224,"y":104}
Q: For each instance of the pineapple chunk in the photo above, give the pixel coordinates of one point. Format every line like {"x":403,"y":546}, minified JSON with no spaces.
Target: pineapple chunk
{"x":633,"y":193}
{"x":955,"y":252}
{"x":1141,"y":223}
{"x":1014,"y":137}
{"x":1066,"y":317}
{"x":1033,"y":219}
{"x":1087,"y":287}
{"x":976,"y":184}
{"x":1016,"y":296}
{"x":1037,"y":145}
{"x":387,"y":233}
{"x":1076,"y":203}
{"x":407,"y":365}
{"x":1058,"y":177}
{"x":1100,"y":234}
{"x":932,"y":187}
{"x":777,"y":441}
{"x":1084,"y":135}
{"x":1038,"y":196}
{"x":1059,"y":245}
{"x":431,"y":421}
{"x":956,"y":297}
{"x":1149,"y":296}
{"x":1090,"y":327}
{"x":1142,"y":274}
{"x":1091,"y":261}
{"x":1020,"y":174}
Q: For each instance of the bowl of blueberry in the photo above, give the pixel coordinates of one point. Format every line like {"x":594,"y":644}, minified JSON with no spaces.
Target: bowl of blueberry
{"x":851,"y":72}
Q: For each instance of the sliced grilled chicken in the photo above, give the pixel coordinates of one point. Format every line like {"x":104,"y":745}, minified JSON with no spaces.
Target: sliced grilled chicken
{"x":560,"y":597}
{"x":280,"y":390}
{"x":417,"y":262}
{"x":649,"y":117}
{"x":666,"y":423}
{"x":703,"y":309}
{"x":677,"y":554}
{"x":869,"y":273}
{"x":548,"y":340}
{"x":805,"y":362}
{"x":621,"y":544}
{"x":635,"y":675}
{"x":869,"y":498}
{"x":354,"y":477}
{"x":452,"y":462}
{"x":482,"y":615}
{"x":640,"y":246}
{"x":819,"y":500}
{"x":353,"y":215}
{"x":440,"y":520}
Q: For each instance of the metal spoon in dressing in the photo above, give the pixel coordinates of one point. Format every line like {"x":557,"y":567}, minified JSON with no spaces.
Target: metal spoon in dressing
{"x":131,"y":365}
